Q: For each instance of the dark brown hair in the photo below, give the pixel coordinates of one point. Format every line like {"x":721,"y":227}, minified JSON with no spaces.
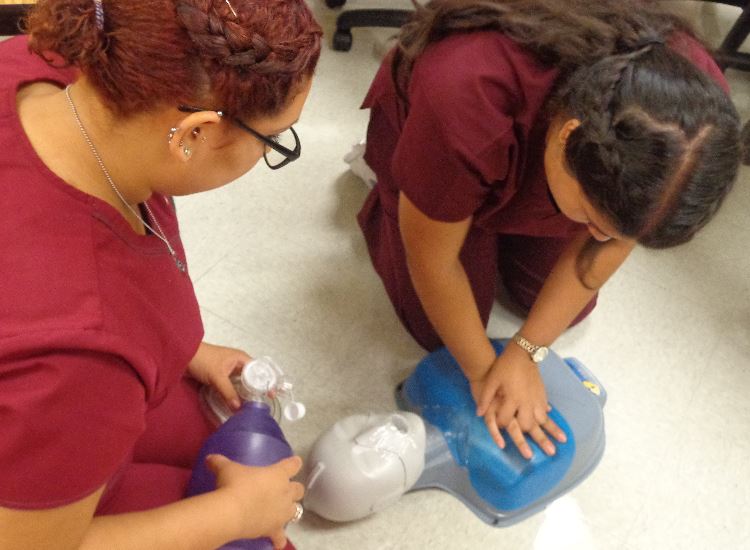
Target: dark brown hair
{"x":658,"y":147}
{"x":155,"y":52}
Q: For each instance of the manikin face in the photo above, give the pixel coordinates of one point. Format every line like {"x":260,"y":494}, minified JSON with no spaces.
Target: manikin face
{"x":364,"y":463}
{"x":566,"y":190}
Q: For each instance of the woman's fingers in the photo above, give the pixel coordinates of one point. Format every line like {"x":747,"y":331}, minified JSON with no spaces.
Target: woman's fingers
{"x":516,"y":434}
{"x":215,"y":462}
{"x":554,"y":430}
{"x":298,"y":491}
{"x":485,"y":399}
{"x":540,"y":415}
{"x":491,"y":422}
{"x":240,"y":364}
{"x":541,"y":439}
{"x":520,"y":421}
{"x":527,"y":418}
{"x":538,"y":434}
{"x":224,"y":386}
{"x":278,"y":539}
{"x":291,"y":465}
{"x":505,"y":413}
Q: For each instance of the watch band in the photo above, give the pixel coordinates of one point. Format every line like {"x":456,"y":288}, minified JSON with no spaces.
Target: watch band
{"x":536,"y":353}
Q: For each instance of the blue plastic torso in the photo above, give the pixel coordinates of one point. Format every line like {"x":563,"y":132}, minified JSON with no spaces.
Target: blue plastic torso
{"x":503,"y":478}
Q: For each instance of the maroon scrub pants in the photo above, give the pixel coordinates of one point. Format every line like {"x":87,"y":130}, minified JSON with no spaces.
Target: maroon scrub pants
{"x":163,"y":458}
{"x":523,"y":264}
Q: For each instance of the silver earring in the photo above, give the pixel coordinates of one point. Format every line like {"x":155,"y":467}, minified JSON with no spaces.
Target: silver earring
{"x":197,"y":132}
{"x":187,"y":151}
{"x":172,"y":132}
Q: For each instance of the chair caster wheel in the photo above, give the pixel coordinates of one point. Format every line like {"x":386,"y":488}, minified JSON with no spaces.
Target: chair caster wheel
{"x":342,"y":41}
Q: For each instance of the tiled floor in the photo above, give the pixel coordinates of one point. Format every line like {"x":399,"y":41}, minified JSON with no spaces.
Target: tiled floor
{"x":280,"y":269}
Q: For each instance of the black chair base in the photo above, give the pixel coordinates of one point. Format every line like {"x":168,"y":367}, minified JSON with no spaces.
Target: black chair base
{"x":10,"y":18}
{"x":342,"y":39}
{"x":727,"y":55}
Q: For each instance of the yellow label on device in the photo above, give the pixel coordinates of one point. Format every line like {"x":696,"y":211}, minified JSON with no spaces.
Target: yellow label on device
{"x":593,"y":388}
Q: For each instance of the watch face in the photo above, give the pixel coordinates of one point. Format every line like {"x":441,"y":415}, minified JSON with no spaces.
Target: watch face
{"x":540,"y":354}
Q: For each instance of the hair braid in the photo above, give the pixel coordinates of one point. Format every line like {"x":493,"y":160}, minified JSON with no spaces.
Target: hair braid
{"x":223,"y":42}
{"x":153,"y":52}
{"x":604,"y":135}
{"x":204,"y":29}
{"x":658,"y":144}
{"x":646,"y":120}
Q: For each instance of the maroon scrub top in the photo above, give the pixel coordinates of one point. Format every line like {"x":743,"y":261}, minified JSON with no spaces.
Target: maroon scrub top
{"x":472,"y":144}
{"x":97,"y":326}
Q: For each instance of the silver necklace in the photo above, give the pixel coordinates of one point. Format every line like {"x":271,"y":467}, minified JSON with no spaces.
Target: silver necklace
{"x":160,"y":233}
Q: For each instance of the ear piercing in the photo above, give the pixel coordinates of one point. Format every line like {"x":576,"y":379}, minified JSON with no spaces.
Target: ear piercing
{"x":186,"y":150}
{"x":197,"y":132}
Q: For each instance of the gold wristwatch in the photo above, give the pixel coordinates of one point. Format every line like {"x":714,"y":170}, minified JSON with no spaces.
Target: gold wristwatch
{"x":536,"y":353}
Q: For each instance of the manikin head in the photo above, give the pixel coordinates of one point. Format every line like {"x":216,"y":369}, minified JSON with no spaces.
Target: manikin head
{"x":364,"y":463}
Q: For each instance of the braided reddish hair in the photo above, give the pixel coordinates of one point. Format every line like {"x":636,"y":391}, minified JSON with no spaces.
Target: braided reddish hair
{"x":162,"y":52}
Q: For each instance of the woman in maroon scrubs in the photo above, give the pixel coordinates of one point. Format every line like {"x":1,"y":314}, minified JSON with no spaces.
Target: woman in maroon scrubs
{"x":540,"y":140}
{"x":101,"y":350}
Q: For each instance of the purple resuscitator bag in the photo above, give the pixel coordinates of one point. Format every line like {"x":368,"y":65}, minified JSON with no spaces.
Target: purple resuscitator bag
{"x":251,"y":436}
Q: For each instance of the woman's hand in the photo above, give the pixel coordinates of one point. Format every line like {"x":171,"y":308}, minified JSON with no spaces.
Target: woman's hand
{"x":265,"y":498}
{"x":511,"y":396}
{"x":213,"y":365}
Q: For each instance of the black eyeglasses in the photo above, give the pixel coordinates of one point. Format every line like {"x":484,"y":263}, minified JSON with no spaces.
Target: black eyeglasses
{"x":288,"y":152}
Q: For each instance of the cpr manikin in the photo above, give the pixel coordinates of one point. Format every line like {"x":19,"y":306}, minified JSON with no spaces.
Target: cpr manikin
{"x":365,"y":462}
